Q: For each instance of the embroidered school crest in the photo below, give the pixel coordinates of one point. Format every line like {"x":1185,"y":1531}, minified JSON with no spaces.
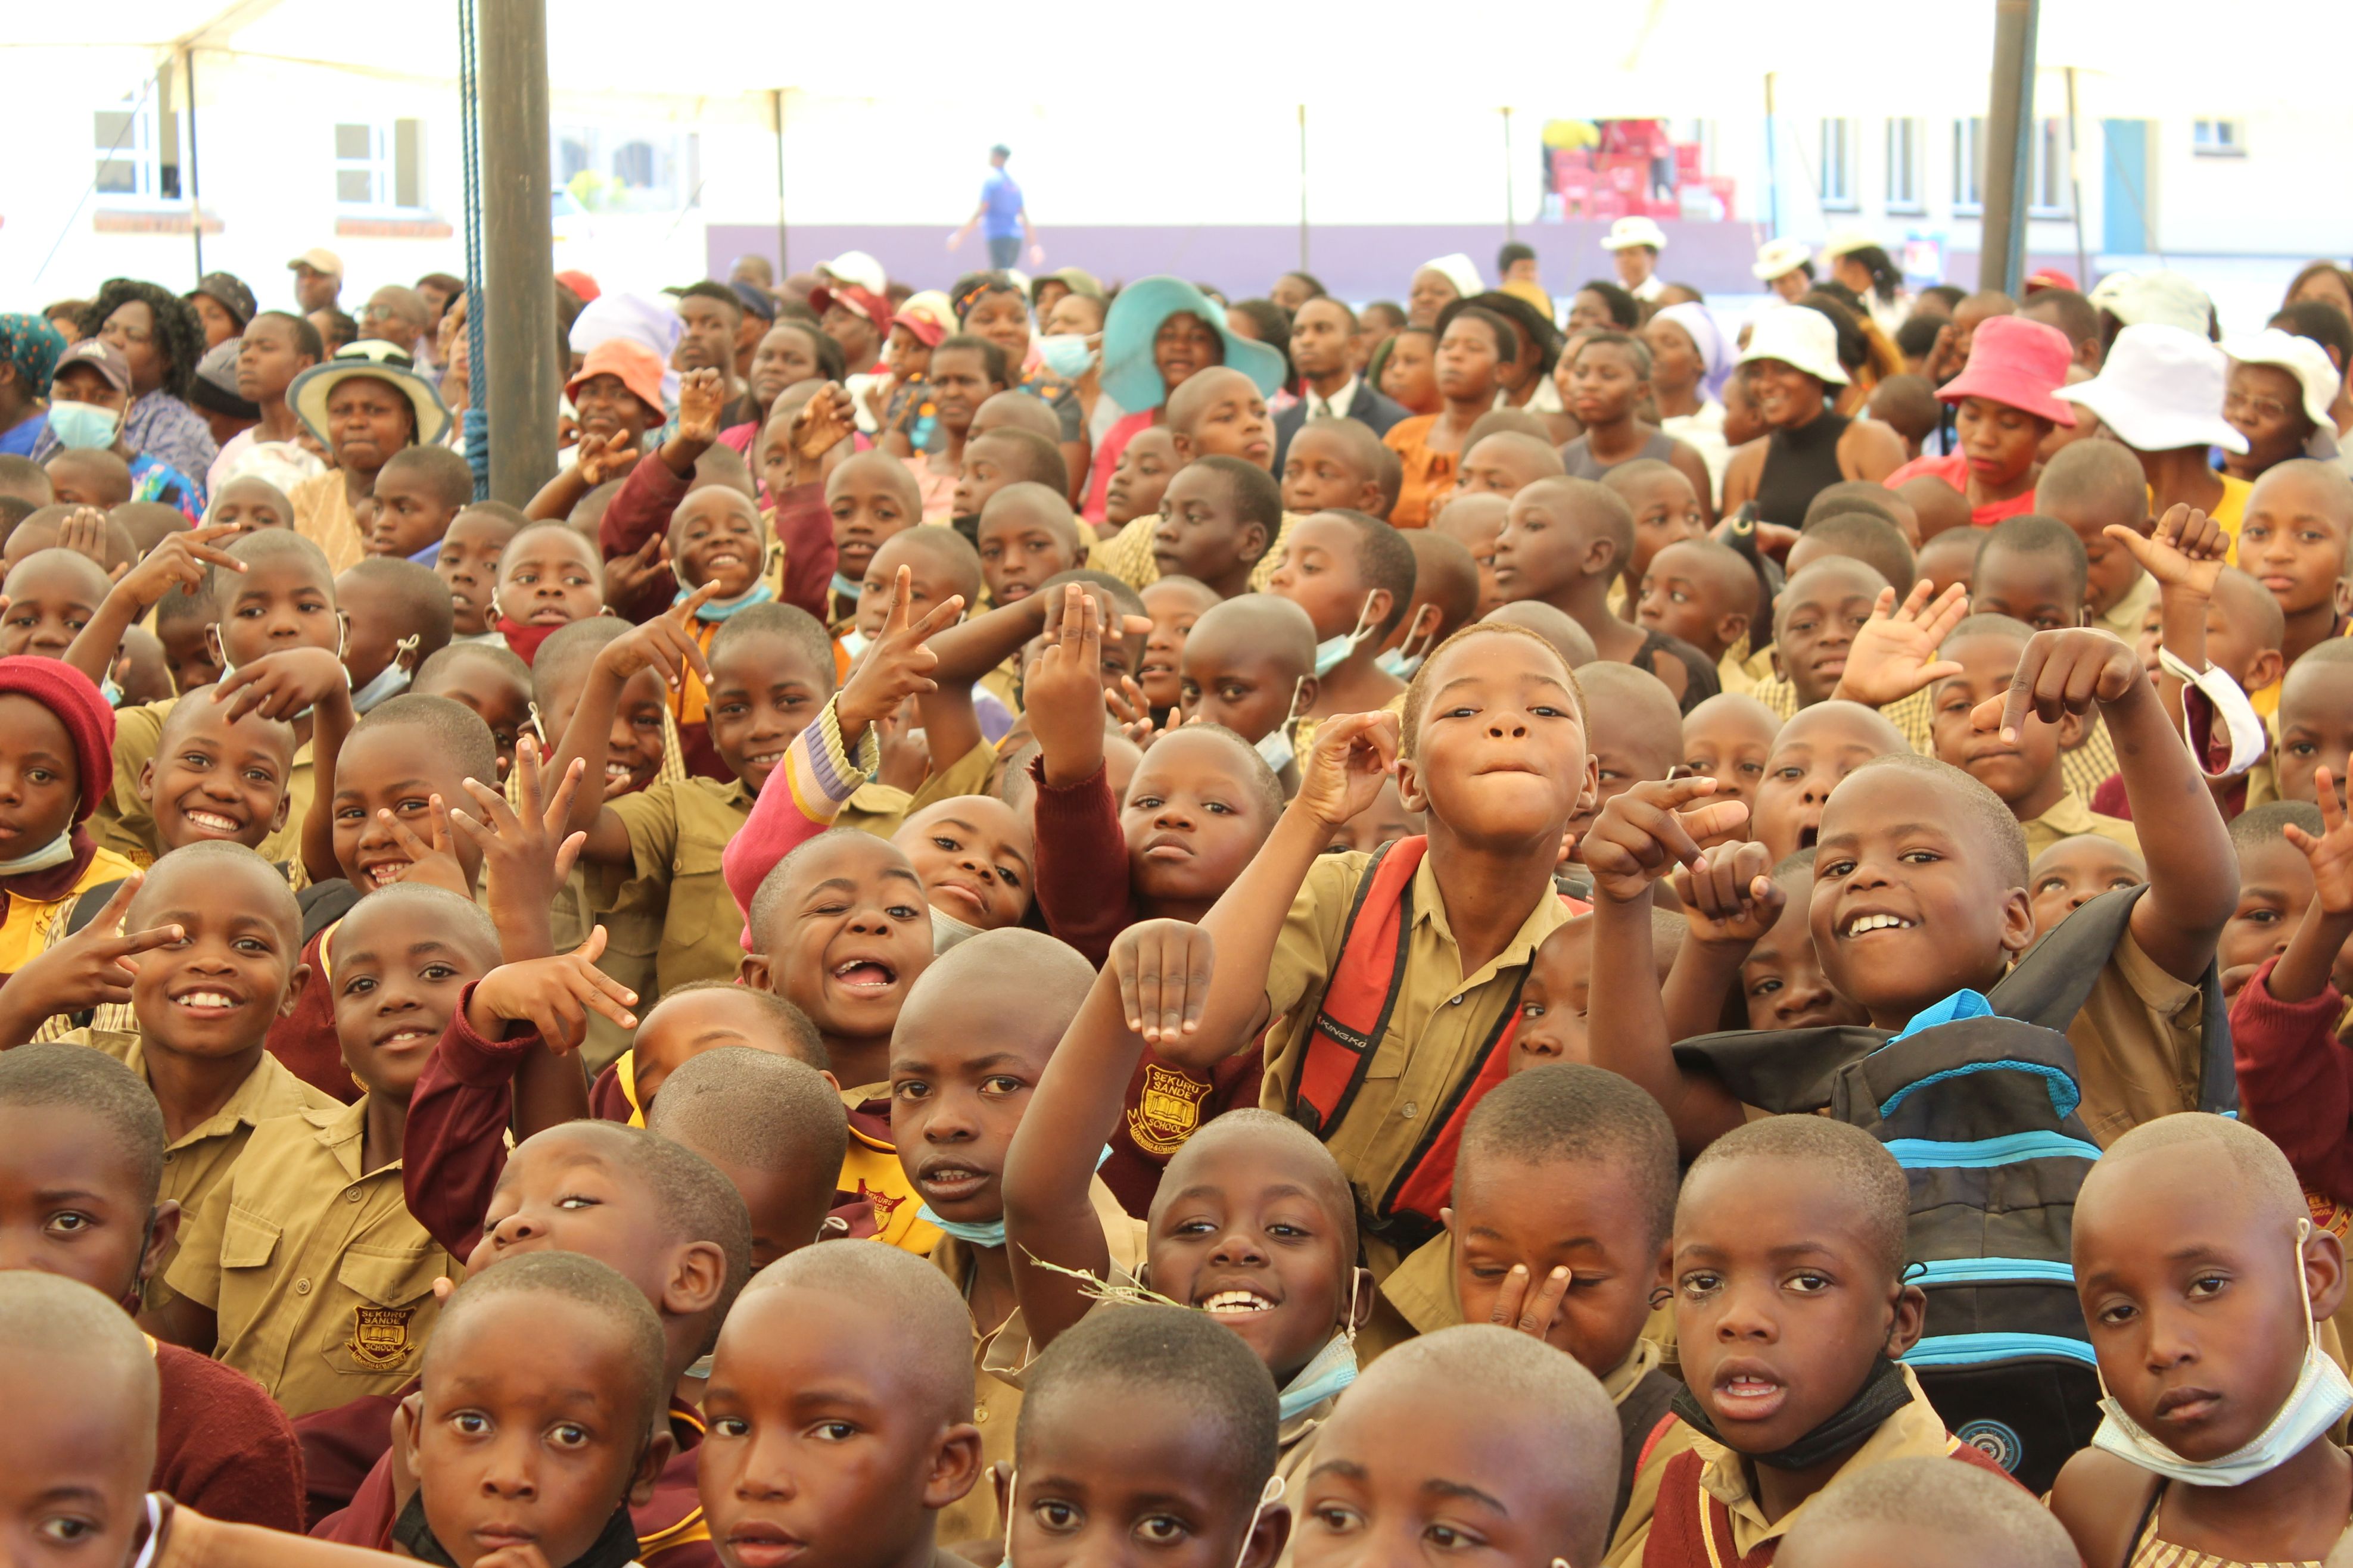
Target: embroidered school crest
{"x":2329,"y":1215}
{"x":380,"y":1336}
{"x":1168,"y":1110}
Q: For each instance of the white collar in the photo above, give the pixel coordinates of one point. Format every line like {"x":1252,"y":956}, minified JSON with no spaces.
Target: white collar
{"x":1336,"y":407}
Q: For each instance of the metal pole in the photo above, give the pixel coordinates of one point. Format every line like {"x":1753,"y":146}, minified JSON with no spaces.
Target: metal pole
{"x":1772,"y":168}
{"x":2006,"y":147}
{"x":196,"y":206}
{"x":1302,"y":187}
{"x":784,"y":247}
{"x":518,"y":249}
{"x":1511,"y":214}
{"x":2075,"y":187}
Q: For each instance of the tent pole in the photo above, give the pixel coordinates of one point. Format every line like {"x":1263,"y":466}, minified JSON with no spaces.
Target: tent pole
{"x":196,"y":204}
{"x":1302,"y":187}
{"x":2005,"y":149}
{"x":1772,"y":168}
{"x":519,"y":249}
{"x":2075,"y":187}
{"x":784,"y":247}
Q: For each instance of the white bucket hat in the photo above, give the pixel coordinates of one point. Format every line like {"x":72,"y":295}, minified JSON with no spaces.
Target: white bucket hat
{"x":2155,"y":298}
{"x":1800,"y":338}
{"x":2315,"y":371}
{"x":1776,"y":256}
{"x":855,"y":267}
{"x":2160,"y":390}
{"x":1457,"y":269}
{"x":1632,"y":231}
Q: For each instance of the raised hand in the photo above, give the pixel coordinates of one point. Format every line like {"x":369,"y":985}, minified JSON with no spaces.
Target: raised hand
{"x":826,"y":420}
{"x":432,"y":862}
{"x":526,"y":853}
{"x":1645,"y":834}
{"x":665,"y":643}
{"x":183,"y":561}
{"x":2185,"y":550}
{"x":91,"y":967}
{"x":1062,"y":695}
{"x":84,"y":533}
{"x":1528,"y":1304}
{"x":1730,"y":896}
{"x":603,"y":457}
{"x":1164,"y":968}
{"x":1895,"y":654}
{"x":2061,"y":672}
{"x":552,"y":996}
{"x":896,"y":664}
{"x":624,"y":576}
{"x":1342,"y":771}
{"x":282,"y":684}
{"x":2330,"y":854}
{"x":700,"y":397}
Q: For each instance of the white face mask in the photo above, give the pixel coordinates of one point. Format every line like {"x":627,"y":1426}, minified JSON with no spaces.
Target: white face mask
{"x":947,"y":930}
{"x":1276,"y":745}
{"x":1332,"y":652}
{"x":2320,"y":1396}
{"x":390,"y":681}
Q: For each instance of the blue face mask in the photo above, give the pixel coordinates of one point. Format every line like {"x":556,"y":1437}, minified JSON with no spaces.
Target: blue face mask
{"x":1334,"y":652}
{"x":1398,"y":662}
{"x":846,"y":588}
{"x":1066,"y":354}
{"x":84,"y":427}
{"x":983,"y":1233}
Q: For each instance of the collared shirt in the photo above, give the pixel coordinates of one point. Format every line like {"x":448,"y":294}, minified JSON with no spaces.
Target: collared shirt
{"x":2137,"y":1043}
{"x":1336,"y":406}
{"x":320,"y":1280}
{"x":1913,"y":1431}
{"x":32,"y":925}
{"x":322,"y":515}
{"x":677,"y":833}
{"x":1001,"y":1359}
{"x":2124,"y":618}
{"x":1440,"y":1019}
{"x":2071,"y":817}
{"x":201,"y":1158}
{"x":125,"y":823}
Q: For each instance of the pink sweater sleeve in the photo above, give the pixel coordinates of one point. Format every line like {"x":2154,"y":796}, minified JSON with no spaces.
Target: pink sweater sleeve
{"x":2295,"y":1080}
{"x":802,"y":798}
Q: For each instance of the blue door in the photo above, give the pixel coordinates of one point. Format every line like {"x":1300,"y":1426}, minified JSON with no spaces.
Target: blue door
{"x":2124,"y":188}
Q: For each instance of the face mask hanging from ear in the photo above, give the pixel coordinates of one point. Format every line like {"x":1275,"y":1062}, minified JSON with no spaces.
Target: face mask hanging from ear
{"x":2320,"y":1396}
{"x":55,"y":852}
{"x":847,"y":589}
{"x":947,"y":930}
{"x":1332,"y":652}
{"x":390,"y":681}
{"x":1402,"y":660}
{"x":1276,"y":745}
{"x":1333,"y":1369}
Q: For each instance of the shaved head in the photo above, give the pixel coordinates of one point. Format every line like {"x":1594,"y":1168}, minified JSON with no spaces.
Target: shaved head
{"x":932,"y":1327}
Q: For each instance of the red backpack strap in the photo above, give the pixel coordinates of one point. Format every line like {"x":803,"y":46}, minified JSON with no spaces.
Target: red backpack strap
{"x":1426,"y":1182}
{"x":1642,"y":1460}
{"x":1362,"y":988}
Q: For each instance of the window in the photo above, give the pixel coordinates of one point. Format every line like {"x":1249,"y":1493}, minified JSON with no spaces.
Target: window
{"x":136,"y":149}
{"x":380,"y":166}
{"x":1906,"y":147}
{"x":2050,"y":188}
{"x":2219,"y":139}
{"x":628,"y":170}
{"x":1836,"y":171}
{"x":1968,"y":165}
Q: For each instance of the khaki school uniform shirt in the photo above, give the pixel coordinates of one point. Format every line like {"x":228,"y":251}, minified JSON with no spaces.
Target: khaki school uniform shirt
{"x":2124,"y":618}
{"x":1912,"y":1432}
{"x":201,"y":1158}
{"x":2136,"y":1042}
{"x":1000,"y":1359}
{"x":677,"y":833}
{"x":322,"y":515}
{"x":126,"y":824}
{"x":2071,"y":818}
{"x":1441,"y":1018}
{"x":880,"y":809}
{"x":321,"y":1281}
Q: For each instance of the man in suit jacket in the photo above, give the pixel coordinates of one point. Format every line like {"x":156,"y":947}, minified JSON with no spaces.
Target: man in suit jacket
{"x":1322,"y":335}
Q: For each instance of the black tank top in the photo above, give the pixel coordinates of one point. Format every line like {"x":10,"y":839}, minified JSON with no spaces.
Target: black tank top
{"x":1798,"y":466}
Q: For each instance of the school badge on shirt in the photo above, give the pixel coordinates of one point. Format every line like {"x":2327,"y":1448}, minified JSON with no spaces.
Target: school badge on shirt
{"x":1168,"y":1111}
{"x":379,"y":1339}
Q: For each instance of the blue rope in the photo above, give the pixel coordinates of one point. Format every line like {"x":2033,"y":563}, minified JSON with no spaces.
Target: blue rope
{"x":477,"y":424}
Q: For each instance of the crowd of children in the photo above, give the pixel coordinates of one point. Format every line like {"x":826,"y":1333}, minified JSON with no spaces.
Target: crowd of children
{"x":1503,"y":960}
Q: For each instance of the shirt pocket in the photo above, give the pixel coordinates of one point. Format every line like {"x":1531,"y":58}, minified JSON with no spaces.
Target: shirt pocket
{"x":391,"y":1309}
{"x":248,"y":1240}
{"x":702,"y":924}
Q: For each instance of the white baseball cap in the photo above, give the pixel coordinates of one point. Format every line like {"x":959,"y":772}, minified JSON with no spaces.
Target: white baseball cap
{"x":855,"y":267}
{"x":2160,"y":390}
{"x":1632,"y":231}
{"x":1776,"y":256}
{"x":1801,"y":338}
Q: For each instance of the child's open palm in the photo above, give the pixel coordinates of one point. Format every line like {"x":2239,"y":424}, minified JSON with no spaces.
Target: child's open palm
{"x":526,"y":853}
{"x":2330,"y":854}
{"x":1645,"y":834}
{"x":552,"y":996}
{"x":1895,"y":654}
{"x":700,"y":395}
{"x":896,"y":664}
{"x":824,"y":422}
{"x":2186,"y":550}
{"x":1063,"y":695}
{"x":84,"y":533}
{"x":1352,"y":756}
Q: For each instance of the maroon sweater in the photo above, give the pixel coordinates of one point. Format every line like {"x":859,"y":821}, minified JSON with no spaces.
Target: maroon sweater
{"x":222,"y":1445}
{"x":305,"y":1038}
{"x":1084,"y":894}
{"x":2295,"y":1080}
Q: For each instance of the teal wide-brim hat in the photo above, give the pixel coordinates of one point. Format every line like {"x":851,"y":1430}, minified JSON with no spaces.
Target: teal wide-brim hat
{"x":1129,"y":375}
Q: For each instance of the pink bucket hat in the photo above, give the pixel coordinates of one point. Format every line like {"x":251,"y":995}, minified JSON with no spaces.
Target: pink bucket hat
{"x":2019,"y":363}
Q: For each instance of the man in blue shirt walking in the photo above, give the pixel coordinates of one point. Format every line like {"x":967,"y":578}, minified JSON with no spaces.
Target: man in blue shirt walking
{"x":1003,"y":218}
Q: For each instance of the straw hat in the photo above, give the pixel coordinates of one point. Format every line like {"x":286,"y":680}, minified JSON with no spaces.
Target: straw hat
{"x":378,"y":360}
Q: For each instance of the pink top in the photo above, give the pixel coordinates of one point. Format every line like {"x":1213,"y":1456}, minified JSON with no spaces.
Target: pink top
{"x":1106,"y":458}
{"x":1955,"y":471}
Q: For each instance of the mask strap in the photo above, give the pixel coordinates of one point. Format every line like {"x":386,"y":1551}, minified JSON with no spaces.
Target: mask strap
{"x":2303,"y":1284}
{"x":1429,"y":640}
{"x":408,"y":644}
{"x":1012,"y":1501}
{"x":538,"y":723}
{"x":1267,"y":1494}
{"x":1363,"y":623}
{"x":1290,"y":714}
{"x":1348,"y":1328}
{"x":137,"y":1291}
{"x":148,"y":1549}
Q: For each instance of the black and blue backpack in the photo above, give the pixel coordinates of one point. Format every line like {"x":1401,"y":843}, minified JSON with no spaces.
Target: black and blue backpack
{"x":1981,"y":1112}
